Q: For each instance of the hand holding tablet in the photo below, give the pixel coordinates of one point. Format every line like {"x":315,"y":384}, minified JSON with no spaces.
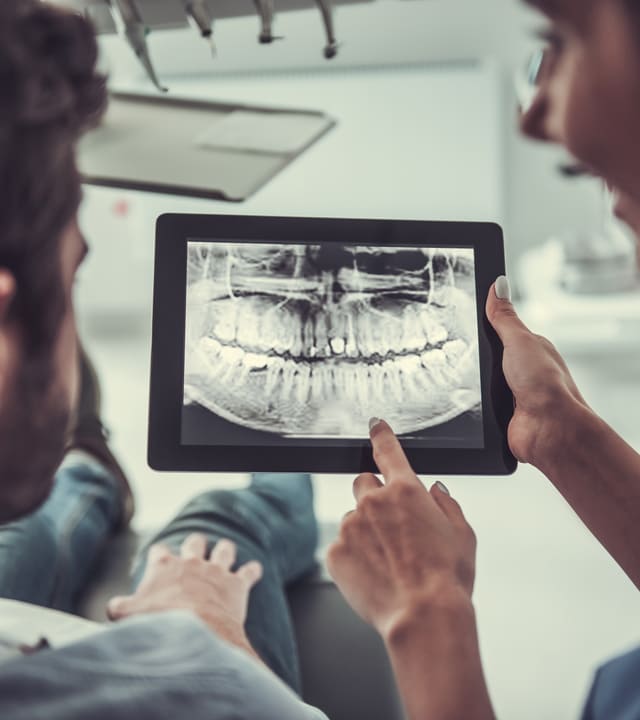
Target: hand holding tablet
{"x":275,"y":340}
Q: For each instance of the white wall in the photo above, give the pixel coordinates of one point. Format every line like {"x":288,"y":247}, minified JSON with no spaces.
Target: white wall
{"x":539,"y":202}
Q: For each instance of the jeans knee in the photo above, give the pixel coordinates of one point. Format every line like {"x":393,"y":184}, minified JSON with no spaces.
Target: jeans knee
{"x":215,"y":513}
{"x":211,"y":501}
{"x":29,"y":550}
{"x":33,"y":536}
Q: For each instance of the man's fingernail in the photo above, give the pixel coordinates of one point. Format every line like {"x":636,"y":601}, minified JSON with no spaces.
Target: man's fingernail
{"x":442,"y":487}
{"x":503,"y":289}
{"x":373,"y":422}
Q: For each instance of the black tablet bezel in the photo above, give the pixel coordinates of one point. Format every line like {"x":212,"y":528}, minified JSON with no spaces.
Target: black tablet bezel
{"x":165,"y":450}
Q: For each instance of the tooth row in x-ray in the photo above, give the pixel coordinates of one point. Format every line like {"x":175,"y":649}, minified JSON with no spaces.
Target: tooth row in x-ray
{"x":314,"y":340}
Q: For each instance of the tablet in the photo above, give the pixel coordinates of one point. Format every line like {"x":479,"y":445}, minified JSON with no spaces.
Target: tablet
{"x":276,"y":339}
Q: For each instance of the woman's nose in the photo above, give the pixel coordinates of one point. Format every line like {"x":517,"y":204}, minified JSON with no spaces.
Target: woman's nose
{"x":533,"y":120}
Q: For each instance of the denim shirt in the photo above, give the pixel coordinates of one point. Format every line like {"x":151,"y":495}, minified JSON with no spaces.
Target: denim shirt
{"x":615,"y":693}
{"x":157,"y":667}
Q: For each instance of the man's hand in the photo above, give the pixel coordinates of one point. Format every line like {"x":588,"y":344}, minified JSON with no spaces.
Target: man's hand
{"x":404,"y":546}
{"x":191,"y":581}
{"x":547,"y":400}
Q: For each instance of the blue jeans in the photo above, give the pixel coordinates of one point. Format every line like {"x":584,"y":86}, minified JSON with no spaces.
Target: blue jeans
{"x":48,"y":557}
{"x":271,"y":521}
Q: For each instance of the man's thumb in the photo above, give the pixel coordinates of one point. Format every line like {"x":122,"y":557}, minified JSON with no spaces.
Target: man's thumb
{"x":118,"y":608}
{"x":501,"y":313}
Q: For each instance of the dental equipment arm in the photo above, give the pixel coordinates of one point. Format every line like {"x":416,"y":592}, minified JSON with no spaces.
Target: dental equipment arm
{"x":326,"y":9}
{"x":136,"y":33}
{"x":266,"y":11}
{"x":198,"y":11}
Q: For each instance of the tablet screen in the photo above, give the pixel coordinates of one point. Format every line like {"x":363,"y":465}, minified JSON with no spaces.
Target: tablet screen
{"x":302,"y":343}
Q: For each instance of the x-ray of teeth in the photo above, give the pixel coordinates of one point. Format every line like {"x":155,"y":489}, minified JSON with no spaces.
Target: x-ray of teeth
{"x":313,"y":340}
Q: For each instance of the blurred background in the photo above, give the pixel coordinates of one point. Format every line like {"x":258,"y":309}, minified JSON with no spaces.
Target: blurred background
{"x":420,"y":95}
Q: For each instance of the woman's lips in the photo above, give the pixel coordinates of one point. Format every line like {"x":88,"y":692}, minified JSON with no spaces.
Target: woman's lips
{"x":628,"y":211}
{"x":619,"y":207}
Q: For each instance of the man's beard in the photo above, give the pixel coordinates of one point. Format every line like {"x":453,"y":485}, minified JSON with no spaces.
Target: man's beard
{"x":34,"y":427}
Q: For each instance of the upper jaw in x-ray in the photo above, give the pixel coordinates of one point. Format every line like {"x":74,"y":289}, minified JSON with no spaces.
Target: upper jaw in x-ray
{"x":280,"y":340}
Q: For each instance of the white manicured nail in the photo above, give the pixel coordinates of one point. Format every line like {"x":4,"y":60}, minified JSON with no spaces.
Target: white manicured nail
{"x":503,"y":289}
{"x":443,"y":488}
{"x":373,"y":422}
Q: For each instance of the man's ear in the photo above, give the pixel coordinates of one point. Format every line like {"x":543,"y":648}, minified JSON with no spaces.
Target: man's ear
{"x":7,"y":335}
{"x":7,"y":293}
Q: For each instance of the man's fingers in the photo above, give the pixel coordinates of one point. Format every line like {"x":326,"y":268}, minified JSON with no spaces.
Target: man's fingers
{"x":118,"y":607}
{"x":157,"y":553}
{"x":388,"y":453}
{"x":501,"y":313}
{"x":194,"y":546}
{"x":364,"y":484}
{"x":250,"y":573}
{"x":224,"y":554}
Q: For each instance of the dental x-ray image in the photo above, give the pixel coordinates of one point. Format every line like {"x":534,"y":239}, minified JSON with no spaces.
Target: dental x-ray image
{"x":310,"y":341}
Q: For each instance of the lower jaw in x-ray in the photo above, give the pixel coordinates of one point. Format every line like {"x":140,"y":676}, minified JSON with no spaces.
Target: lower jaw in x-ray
{"x":280,"y":343}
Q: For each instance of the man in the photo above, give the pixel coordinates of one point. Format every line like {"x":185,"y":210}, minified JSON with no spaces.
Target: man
{"x":221,"y":658}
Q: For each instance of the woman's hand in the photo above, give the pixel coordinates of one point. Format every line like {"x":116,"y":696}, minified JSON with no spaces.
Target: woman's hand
{"x":546,"y":397}
{"x":405,"y":561}
{"x":403,"y":547}
{"x":191,"y":581}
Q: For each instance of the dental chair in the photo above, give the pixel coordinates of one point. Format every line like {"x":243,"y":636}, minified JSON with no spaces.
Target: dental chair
{"x":345,"y":670}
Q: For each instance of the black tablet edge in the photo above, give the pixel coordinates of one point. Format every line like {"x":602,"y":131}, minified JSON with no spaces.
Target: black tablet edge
{"x":164,"y":421}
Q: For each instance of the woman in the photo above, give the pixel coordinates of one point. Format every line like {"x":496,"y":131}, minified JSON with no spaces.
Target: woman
{"x":405,"y":557}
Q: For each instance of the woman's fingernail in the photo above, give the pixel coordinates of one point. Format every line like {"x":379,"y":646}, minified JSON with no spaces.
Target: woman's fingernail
{"x":443,"y":488}
{"x":503,"y":289}
{"x":373,"y":422}
{"x":7,"y":284}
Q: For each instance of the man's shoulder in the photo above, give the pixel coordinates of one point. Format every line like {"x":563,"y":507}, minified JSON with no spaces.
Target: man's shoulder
{"x":25,"y":625}
{"x":615,"y":694}
{"x":151,"y":666}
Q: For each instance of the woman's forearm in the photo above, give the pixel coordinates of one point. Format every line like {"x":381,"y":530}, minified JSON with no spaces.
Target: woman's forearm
{"x":436,"y":661}
{"x":598,"y":474}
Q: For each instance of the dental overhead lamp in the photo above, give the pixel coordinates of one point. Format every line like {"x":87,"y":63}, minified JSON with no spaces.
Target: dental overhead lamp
{"x":135,"y":19}
{"x":136,"y":31}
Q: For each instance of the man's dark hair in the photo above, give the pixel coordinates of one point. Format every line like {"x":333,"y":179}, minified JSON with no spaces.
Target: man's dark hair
{"x":50,"y":93}
{"x":633,"y":8}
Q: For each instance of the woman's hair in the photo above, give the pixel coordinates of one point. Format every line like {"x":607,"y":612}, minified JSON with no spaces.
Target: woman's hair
{"x":50,"y":93}
{"x":633,"y":8}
